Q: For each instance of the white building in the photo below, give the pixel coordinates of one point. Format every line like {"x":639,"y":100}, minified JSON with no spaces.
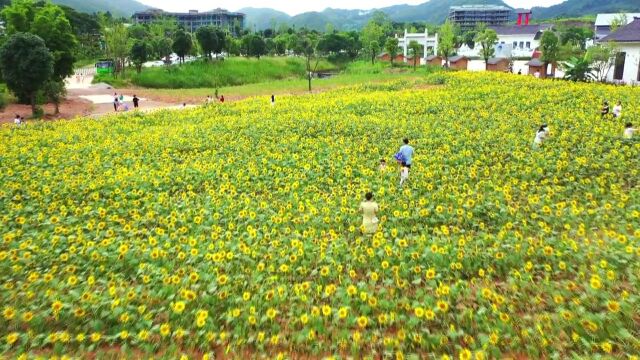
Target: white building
{"x":627,"y":64}
{"x":429,"y":43}
{"x":518,"y":41}
{"x":603,"y":23}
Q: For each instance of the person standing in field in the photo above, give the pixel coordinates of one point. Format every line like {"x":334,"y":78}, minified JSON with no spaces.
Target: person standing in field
{"x":541,"y":136}
{"x":406,"y":153}
{"x":17,"y":120}
{"x":617,"y":110}
{"x":135,"y":101}
{"x":605,"y":109}
{"x":404,"y":174}
{"x":273,"y":100}
{"x":369,"y":210}
{"x":629,"y":130}
{"x":222,"y":99}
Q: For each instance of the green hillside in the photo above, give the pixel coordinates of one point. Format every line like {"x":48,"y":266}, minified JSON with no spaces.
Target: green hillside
{"x":576,"y":8}
{"x":124,"y":8}
{"x":263,"y":18}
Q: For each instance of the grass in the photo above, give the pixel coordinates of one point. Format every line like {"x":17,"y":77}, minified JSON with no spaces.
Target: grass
{"x":230,"y":72}
{"x":359,"y":72}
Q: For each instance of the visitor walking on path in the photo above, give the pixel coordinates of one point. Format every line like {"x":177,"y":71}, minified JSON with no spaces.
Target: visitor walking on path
{"x":116,"y":102}
{"x":135,"y":101}
{"x":369,"y":210}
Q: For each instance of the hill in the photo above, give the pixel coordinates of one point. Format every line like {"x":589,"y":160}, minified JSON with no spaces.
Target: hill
{"x":576,"y":8}
{"x":434,"y":12}
{"x":124,"y":8}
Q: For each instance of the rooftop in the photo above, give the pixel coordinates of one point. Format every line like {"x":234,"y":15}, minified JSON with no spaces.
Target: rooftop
{"x":479,"y":8}
{"x":606,"y":19}
{"x":535,"y":62}
{"x":152,"y":11}
{"x":496,"y":60}
{"x":520,"y":29}
{"x":628,"y":33}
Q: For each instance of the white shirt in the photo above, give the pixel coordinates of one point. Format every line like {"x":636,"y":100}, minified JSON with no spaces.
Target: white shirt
{"x":540,"y":136}
{"x":617,"y":110}
{"x":628,"y":133}
{"x":537,"y":74}
{"x":17,"y":121}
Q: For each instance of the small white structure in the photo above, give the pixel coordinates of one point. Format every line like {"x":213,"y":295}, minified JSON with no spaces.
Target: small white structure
{"x":429,"y":43}
{"x":603,"y":23}
{"x":627,"y":63}
{"x":518,"y":41}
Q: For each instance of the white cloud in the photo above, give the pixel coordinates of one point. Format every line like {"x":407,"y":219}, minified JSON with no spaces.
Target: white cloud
{"x":297,"y":6}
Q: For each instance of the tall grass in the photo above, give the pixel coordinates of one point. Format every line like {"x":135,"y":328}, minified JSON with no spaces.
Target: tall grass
{"x":211,"y":74}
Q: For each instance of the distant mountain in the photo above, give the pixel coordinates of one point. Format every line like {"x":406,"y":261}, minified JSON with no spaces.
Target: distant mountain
{"x":433,"y":11}
{"x":124,"y":8}
{"x":577,"y":8}
{"x":263,"y":18}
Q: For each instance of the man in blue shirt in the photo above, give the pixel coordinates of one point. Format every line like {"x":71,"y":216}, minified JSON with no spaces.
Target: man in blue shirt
{"x":407,"y":153}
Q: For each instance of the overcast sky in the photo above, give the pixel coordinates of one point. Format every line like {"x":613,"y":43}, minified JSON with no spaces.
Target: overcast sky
{"x":294,"y":7}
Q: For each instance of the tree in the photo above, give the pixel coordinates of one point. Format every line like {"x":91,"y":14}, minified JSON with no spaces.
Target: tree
{"x":51,"y":24}
{"x":55,"y":92}
{"x":181,"y":44}
{"x":376,"y":29}
{"x":116,"y":39}
{"x":446,"y":41}
{"x":391,"y":46}
{"x":139,"y":54}
{"x":208,"y":39}
{"x":254,"y":45}
{"x":578,"y":69}
{"x":469,"y":38}
{"x":576,"y":36}
{"x":550,"y":50}
{"x":26,"y":65}
{"x":308,"y":47}
{"x":602,"y":58}
{"x":487,"y":39}
{"x":619,"y":21}
{"x":221,"y":45}
{"x":416,"y":49}
{"x":374,"y":48}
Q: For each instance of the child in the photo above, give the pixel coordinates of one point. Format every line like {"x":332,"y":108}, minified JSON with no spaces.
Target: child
{"x":617,"y":110}
{"x":383,"y":165}
{"x":17,"y":120}
{"x":628,"y":131}
{"x":541,"y":136}
{"x":222,"y":99}
{"x":605,"y":109}
{"x":404,"y":173}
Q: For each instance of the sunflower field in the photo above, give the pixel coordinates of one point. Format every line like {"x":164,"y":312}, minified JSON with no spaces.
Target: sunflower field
{"x":232,"y":231}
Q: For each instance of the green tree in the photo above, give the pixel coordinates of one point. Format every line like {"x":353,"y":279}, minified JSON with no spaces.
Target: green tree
{"x":374,"y":48}
{"x":221,"y":45}
{"x":469,"y":38}
{"x":602,"y":57}
{"x":416,"y":50}
{"x":116,"y":40}
{"x":576,"y":36}
{"x":446,"y":41}
{"x":307,"y":46}
{"x":51,"y":24}
{"x":619,"y":21}
{"x":254,"y":45}
{"x":487,"y":39}
{"x":26,"y":65}
{"x":208,"y":40}
{"x":578,"y":69}
{"x":55,"y":92}
{"x":376,"y":29}
{"x":181,"y":44}
{"x":139,"y":54}
{"x":549,"y":45}
{"x":391,"y":47}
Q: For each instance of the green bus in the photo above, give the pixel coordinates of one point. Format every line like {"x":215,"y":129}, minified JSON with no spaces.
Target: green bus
{"x":105,"y":67}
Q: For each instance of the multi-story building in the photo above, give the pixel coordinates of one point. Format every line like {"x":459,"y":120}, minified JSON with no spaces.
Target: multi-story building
{"x":193,"y":19}
{"x":469,"y":16}
{"x":604,"y":21}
